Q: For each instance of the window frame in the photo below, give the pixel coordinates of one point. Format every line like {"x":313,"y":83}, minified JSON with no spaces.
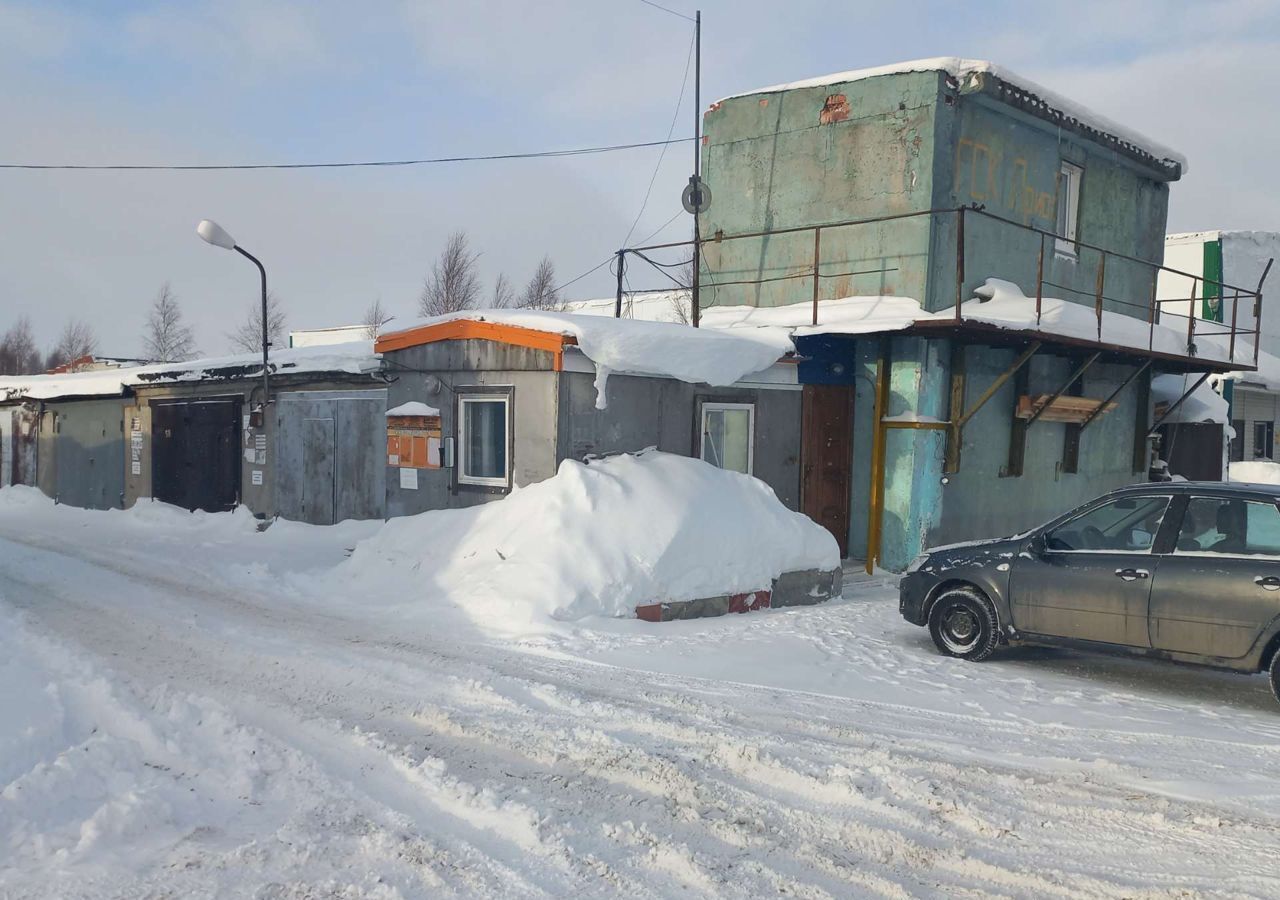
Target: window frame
{"x":482,"y":395}
{"x":1047,"y":532}
{"x":1070,"y":177}
{"x":706,"y":406}
{"x":1269,"y":438}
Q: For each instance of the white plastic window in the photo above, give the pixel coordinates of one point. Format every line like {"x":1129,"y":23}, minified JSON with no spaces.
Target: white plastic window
{"x":483,"y":425}
{"x":728,"y":435}
{"x":1068,"y":208}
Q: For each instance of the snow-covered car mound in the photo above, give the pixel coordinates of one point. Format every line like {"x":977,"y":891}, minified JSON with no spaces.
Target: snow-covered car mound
{"x":598,"y":539}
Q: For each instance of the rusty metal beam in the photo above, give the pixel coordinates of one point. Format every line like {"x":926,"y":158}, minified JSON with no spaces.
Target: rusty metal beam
{"x":999,"y":383}
{"x":1170,"y":411}
{"x":875,"y":505}
{"x":1062,"y":390}
{"x":1116,"y":393}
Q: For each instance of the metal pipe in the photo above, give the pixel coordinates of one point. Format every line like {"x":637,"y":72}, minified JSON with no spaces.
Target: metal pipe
{"x":817,"y":250}
{"x":1257,"y":319}
{"x":266,"y":340}
{"x":959,"y":260}
{"x":695,"y":300}
{"x":875,"y":504}
{"x":1039,"y":281}
{"x":1097,"y":300}
{"x":1191,"y":319}
{"x":617,"y":306}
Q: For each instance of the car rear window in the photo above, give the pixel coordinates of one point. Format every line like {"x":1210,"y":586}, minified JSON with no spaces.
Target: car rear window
{"x":1230,"y":526}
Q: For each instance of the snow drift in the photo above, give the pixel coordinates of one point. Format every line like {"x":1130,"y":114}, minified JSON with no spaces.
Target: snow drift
{"x":597,"y":539}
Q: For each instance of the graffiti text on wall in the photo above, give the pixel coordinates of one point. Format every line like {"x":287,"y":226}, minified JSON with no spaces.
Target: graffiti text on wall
{"x":1003,"y":182}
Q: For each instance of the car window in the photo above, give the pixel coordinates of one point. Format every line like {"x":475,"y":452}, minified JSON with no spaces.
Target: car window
{"x":1239,"y":527}
{"x":1128,"y":524}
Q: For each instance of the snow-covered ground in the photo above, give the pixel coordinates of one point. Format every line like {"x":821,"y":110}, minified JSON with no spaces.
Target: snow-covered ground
{"x":189,"y":710}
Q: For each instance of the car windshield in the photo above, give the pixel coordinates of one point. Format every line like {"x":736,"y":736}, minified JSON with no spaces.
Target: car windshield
{"x":1128,"y":524}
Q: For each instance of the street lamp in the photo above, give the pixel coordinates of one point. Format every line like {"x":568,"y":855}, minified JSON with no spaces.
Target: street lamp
{"x":214,"y":233}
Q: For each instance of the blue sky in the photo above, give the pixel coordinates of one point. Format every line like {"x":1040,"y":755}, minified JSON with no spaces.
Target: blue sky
{"x":241,"y":81}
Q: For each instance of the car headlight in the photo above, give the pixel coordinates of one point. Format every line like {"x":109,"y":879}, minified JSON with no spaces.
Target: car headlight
{"x":917,"y":563}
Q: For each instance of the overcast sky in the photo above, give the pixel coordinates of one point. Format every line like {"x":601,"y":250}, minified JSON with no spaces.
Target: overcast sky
{"x":263,"y":81}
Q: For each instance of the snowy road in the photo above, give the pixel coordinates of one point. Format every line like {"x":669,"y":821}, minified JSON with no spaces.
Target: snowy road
{"x":185,"y":715}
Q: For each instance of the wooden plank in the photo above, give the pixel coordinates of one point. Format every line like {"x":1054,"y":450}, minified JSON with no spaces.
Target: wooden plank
{"x":1063,"y":409}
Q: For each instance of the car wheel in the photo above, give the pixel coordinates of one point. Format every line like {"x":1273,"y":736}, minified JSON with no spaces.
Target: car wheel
{"x":1275,"y":674}
{"x":963,"y":624}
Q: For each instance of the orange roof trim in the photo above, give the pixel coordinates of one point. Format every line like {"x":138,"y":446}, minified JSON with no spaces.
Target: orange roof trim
{"x":470,"y":329}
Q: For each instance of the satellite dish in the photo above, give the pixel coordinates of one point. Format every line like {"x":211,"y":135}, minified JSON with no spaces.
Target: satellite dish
{"x":696,"y":197}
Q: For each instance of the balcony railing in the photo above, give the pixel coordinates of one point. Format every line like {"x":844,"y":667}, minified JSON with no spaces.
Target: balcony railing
{"x":1040,"y":247}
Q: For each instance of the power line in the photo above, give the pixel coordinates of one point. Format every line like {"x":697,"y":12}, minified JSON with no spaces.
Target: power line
{"x":665,"y":10}
{"x":684,"y":82}
{"x":540,"y":154}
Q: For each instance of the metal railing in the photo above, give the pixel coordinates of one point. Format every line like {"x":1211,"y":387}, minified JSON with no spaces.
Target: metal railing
{"x":1151,"y":308}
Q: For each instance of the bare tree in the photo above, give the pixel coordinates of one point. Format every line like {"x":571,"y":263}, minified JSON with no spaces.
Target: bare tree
{"x":18,"y":353}
{"x":540,"y":292}
{"x":374,"y":318}
{"x":504,"y":295}
{"x":77,"y":340}
{"x":453,"y":284}
{"x":167,"y":338}
{"x":247,"y":336}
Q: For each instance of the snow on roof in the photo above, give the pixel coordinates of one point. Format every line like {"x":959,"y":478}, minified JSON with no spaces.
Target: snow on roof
{"x":997,"y":302}
{"x":354,"y":358}
{"x":413,"y":408}
{"x":626,"y":346}
{"x":964,"y":69}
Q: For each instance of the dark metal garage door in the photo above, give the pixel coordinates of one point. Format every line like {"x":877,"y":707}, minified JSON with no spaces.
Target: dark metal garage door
{"x":196,"y":455}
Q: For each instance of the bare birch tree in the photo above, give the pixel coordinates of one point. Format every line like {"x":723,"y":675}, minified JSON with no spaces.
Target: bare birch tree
{"x":504,"y":295}
{"x":375,"y":317}
{"x":453,"y":284}
{"x":77,"y":340}
{"x":167,"y":338}
{"x":18,"y":352}
{"x":540,"y":292}
{"x":247,"y":336}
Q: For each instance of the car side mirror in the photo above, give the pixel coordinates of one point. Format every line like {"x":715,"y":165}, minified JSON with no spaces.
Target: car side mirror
{"x":1037,"y":545}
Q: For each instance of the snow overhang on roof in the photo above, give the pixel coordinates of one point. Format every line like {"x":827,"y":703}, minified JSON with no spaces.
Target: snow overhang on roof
{"x":981,"y":76}
{"x":624,"y":346}
{"x":354,"y":358}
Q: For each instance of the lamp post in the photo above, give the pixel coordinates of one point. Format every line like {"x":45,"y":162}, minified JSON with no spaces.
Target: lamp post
{"x":214,"y":233}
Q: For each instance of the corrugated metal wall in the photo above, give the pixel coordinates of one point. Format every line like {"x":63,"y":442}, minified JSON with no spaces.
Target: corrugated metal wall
{"x":331,"y":455}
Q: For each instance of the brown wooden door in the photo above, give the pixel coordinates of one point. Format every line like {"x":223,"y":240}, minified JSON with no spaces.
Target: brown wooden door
{"x":826,"y":454}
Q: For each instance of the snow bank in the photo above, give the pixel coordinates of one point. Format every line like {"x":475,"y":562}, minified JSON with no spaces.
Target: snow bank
{"x":963,"y":70}
{"x":629,"y":347}
{"x":1204,"y":405}
{"x":355,"y":358}
{"x":597,"y":539}
{"x":1257,"y":471}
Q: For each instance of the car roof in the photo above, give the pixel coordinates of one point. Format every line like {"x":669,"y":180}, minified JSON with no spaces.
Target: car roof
{"x":1269,"y":491}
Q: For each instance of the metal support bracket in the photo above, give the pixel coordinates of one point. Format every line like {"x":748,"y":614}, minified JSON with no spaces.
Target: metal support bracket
{"x":1114,"y":394}
{"x":1040,"y":410}
{"x":1170,"y":411}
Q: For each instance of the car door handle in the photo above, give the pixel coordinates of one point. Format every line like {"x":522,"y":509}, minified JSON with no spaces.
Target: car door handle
{"x":1270,"y":582}
{"x":1132,"y":574}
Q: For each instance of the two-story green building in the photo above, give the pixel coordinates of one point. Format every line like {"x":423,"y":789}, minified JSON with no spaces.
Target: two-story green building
{"x":921,"y":181}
